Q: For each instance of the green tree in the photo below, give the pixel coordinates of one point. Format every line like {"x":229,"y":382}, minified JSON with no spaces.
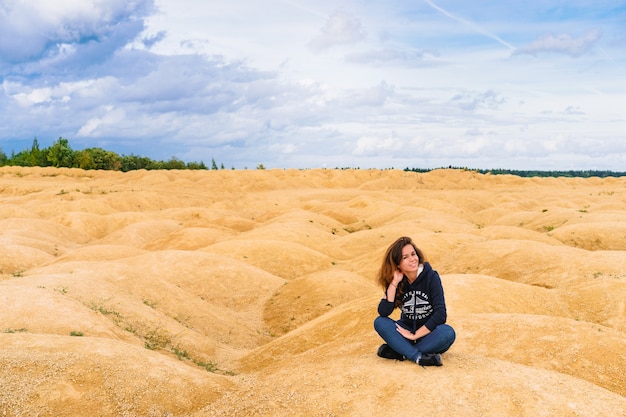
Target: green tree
{"x":133,"y":162}
{"x":37,"y":157}
{"x":174,"y":163}
{"x":196,"y":165}
{"x":84,"y":160}
{"x":27,"y":158}
{"x":98,"y":158}
{"x":20,"y":159}
{"x":61,"y":154}
{"x":3,"y":158}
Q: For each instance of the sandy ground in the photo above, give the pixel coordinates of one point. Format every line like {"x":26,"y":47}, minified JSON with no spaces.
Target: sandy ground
{"x":251,"y":293}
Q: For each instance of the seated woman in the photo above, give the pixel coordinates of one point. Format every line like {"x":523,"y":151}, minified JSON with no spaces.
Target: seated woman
{"x":411,"y":285}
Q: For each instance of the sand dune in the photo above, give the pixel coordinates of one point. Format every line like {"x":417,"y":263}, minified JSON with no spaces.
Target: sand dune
{"x":252,"y":293}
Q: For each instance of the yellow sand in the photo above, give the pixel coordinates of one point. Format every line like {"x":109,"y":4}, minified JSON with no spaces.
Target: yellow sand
{"x":252,"y":293}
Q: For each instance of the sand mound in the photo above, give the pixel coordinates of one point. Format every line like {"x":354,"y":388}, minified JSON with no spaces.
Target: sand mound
{"x":222,"y":293}
{"x":594,"y":236}
{"x":52,"y":375}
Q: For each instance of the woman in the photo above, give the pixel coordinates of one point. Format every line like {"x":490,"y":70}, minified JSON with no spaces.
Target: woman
{"x":410,"y":284}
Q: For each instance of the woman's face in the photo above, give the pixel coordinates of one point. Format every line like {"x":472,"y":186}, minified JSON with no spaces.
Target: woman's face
{"x":410,"y":261}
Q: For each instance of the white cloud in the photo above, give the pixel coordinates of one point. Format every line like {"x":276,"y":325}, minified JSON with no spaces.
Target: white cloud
{"x":393,"y":57}
{"x":36,"y":96}
{"x":99,"y":126}
{"x":373,"y":146}
{"x":393,"y":84}
{"x":283,"y":148}
{"x":561,"y":44}
{"x":372,"y":96}
{"x":473,"y":101}
{"x":340,"y":29}
{"x":574,"y":110}
{"x":34,"y":29}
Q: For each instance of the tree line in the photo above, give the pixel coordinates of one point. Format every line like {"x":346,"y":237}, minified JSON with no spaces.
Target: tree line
{"x":536,"y":173}
{"x":61,"y":154}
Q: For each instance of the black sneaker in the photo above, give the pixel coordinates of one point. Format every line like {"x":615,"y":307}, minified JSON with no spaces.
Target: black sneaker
{"x":384,"y":351}
{"x":430,"y":359}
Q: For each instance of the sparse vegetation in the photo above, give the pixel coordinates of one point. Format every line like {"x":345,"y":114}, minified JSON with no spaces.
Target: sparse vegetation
{"x":157,"y":338}
{"x":61,"y":290}
{"x":102,"y":309}
{"x":181,"y":354}
{"x":353,"y":229}
{"x":21,"y":330}
{"x":210,"y":366}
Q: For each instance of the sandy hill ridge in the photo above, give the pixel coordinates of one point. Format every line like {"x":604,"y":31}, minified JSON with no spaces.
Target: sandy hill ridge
{"x":251,"y":293}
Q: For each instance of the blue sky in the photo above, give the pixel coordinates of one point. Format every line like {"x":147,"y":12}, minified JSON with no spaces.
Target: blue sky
{"x":536,"y":84}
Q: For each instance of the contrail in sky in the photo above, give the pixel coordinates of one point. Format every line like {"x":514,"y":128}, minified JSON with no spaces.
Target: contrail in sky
{"x":470,"y":24}
{"x":610,"y":58}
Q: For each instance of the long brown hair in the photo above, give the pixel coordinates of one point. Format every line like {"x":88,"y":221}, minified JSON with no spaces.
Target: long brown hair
{"x":390,"y":263}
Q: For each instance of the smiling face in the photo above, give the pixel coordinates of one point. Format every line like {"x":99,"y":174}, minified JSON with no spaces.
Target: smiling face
{"x":409,"y":261}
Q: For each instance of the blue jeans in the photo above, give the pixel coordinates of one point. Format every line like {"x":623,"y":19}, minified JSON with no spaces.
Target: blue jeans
{"x":437,"y":341}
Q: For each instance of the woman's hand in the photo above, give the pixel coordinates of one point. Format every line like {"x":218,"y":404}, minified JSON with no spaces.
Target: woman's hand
{"x":397,"y":277}
{"x":405,"y":333}
{"x":419,"y":333}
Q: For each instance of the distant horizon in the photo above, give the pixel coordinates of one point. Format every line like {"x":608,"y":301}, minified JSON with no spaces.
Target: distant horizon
{"x":406,"y":168}
{"x":215,"y":164}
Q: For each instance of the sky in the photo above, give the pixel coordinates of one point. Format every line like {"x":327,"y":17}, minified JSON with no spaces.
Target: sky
{"x":528,"y":85}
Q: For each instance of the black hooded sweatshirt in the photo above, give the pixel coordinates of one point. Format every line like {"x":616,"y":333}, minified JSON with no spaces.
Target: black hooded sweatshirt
{"x":423,"y":302}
